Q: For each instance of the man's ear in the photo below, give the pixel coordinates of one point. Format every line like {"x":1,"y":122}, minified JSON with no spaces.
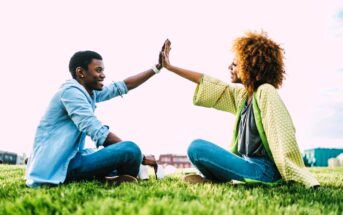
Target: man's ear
{"x":80,"y":72}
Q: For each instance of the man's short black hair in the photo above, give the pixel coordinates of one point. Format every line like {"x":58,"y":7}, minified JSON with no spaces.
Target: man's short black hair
{"x":82,"y":59}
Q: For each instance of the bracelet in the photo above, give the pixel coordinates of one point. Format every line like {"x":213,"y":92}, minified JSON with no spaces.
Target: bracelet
{"x":154,"y":68}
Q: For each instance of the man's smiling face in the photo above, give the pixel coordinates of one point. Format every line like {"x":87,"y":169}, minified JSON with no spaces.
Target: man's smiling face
{"x":94,"y":76}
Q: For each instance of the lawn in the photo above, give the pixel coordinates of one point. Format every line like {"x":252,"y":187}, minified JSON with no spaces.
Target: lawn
{"x":170,"y":196}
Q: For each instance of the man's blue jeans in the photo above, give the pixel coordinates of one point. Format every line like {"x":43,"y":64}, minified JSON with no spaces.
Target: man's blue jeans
{"x":218,"y":164}
{"x":124,"y":158}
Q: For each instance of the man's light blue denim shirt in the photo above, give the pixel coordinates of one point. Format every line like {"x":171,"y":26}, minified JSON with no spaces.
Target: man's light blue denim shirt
{"x":62,"y":131}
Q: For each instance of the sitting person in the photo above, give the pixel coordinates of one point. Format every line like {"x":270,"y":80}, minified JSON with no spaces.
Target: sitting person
{"x":58,"y":153}
{"x":264,"y":148}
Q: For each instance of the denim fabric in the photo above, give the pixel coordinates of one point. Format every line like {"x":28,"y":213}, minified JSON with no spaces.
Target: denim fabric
{"x":123,"y":158}
{"x":218,"y":164}
{"x":62,"y":131}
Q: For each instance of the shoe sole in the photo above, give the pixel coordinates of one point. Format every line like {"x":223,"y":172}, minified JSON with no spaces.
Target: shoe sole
{"x":196,"y":179}
{"x":117,"y":180}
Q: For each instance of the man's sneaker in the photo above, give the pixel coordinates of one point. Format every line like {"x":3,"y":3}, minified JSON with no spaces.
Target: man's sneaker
{"x":196,"y":179}
{"x":117,"y":180}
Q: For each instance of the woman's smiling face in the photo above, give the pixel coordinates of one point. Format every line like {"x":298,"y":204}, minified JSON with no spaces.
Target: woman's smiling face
{"x":234,"y":72}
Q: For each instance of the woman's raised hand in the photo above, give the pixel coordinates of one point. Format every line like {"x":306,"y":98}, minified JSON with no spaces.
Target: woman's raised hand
{"x":185,"y":73}
{"x":165,"y":54}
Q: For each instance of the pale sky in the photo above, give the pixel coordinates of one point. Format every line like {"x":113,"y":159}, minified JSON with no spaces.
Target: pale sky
{"x":39,"y":37}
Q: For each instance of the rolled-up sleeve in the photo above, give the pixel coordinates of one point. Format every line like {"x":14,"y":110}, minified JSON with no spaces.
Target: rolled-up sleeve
{"x":213,"y":93}
{"x":80,"y":111}
{"x":110,"y":91}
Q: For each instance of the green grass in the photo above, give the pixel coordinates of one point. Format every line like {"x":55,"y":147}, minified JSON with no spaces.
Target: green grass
{"x":170,"y":196}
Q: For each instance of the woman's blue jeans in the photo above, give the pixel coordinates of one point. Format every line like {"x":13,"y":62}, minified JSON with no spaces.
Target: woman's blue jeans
{"x":218,"y":164}
{"x":124,"y":158}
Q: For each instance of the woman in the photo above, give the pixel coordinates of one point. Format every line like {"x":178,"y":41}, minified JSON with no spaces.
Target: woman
{"x":264,"y":147}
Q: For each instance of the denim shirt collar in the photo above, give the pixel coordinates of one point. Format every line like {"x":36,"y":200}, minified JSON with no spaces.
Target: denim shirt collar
{"x":75,"y":83}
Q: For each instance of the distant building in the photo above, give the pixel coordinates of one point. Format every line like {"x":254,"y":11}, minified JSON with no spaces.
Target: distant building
{"x":178,"y":161}
{"x":8,"y":157}
{"x":320,"y":156}
{"x":340,"y":158}
{"x":11,"y":158}
{"x":21,"y":159}
{"x":336,"y":162}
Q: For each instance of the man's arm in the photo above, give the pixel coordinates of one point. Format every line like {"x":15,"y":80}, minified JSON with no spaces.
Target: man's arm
{"x":136,"y":80}
{"x":111,"y":139}
{"x":111,"y":91}
{"x":81,"y":113}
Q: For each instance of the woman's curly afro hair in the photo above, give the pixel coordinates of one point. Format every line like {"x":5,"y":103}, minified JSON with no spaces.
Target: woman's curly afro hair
{"x":259,"y":60}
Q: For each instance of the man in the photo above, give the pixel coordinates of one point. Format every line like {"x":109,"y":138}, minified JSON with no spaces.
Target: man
{"x":58,"y":153}
{"x":264,"y":148}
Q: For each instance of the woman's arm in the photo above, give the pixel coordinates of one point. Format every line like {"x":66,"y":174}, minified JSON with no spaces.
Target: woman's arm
{"x":187,"y":74}
{"x":210,"y":92}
